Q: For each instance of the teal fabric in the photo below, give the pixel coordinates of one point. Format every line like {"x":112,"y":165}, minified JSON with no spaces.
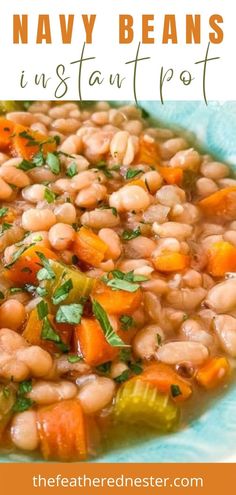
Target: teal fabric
{"x":212,"y":436}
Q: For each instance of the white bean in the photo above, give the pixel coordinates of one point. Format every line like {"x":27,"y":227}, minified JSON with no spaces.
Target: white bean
{"x":179,"y":352}
{"x":214,"y":170}
{"x":170,"y":195}
{"x":96,"y":394}
{"x":99,"y":218}
{"x":195,"y":332}
{"x":130,"y":198}
{"x":180,"y":231}
{"x":44,"y":393}
{"x":14,"y":176}
{"x":34,"y":193}
{"x":111,"y":238}
{"x":24,"y":433}
{"x":186,"y":299}
{"x":90,"y":196}
{"x":61,"y":236}
{"x":146,"y":341}
{"x":225,"y":327}
{"x":34,"y":219}
{"x":222,"y":297}
{"x":5,"y":190}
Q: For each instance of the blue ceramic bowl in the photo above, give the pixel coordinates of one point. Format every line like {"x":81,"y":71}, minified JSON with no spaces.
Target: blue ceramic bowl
{"x":212,"y":436}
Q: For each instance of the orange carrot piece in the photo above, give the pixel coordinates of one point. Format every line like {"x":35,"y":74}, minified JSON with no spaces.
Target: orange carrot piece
{"x":90,"y":340}
{"x":221,"y":203}
{"x":171,"y":175}
{"x":89,"y":247}
{"x":22,"y":146}
{"x":148,"y":153}
{"x":213,"y":373}
{"x":117,"y":302}
{"x":33,"y":329}
{"x":25,"y":269}
{"x":6,"y":131}
{"x":221,"y":259}
{"x":171,"y":262}
{"x":163,"y":377}
{"x":62,"y":431}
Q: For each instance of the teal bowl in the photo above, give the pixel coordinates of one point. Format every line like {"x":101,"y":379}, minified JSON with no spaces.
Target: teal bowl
{"x":211,"y":436}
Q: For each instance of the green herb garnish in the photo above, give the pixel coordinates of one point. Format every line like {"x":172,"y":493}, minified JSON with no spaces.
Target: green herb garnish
{"x":175,"y":390}
{"x":46,"y":273}
{"x":62,"y":292}
{"x":53,"y":163}
{"x":25,"y":387}
{"x":126,"y":322}
{"x":72,"y":170}
{"x":131,"y":173}
{"x":42,"y":309}
{"x":122,"y":377}
{"x":111,"y":336}
{"x":3,"y":211}
{"x":129,"y":234}
{"x":26,"y":165}
{"x":22,"y":404}
{"x":73,"y":358}
{"x":70,"y":313}
{"x":49,"y":195}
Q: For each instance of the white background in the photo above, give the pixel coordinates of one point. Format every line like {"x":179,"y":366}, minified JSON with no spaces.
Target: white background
{"x":111,"y":57}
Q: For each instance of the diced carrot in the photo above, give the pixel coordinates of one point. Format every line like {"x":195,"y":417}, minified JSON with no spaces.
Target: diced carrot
{"x":164,"y":377}
{"x":26,"y":148}
{"x":33,"y":329}
{"x":221,"y":203}
{"x":6,"y":131}
{"x":221,"y":259}
{"x":148,"y":152}
{"x":89,"y":247}
{"x":117,"y":302}
{"x":213,"y":373}
{"x":25,"y":269}
{"x":90,"y":340}
{"x":171,"y":175}
{"x":137,"y":182}
{"x":62,"y":431}
{"x":171,"y":262}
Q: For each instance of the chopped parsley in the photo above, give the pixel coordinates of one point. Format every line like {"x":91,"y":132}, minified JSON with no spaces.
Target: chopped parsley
{"x":175,"y":390}
{"x":1,"y":295}
{"x":3,"y":211}
{"x":61,"y":293}
{"x":132,"y":172}
{"x":38,"y":159}
{"x":73,"y":358}
{"x":123,"y":281}
{"x":104,"y":368}
{"x":49,"y":195}
{"x":70,"y":313}
{"x":72,"y":170}
{"x":46,"y":273}
{"x":126,"y":322}
{"x":42,"y":309}
{"x":111,"y":336}
{"x":22,"y":404}
{"x":129,"y":234}
{"x":123,"y":376}
{"x":25,"y":387}
{"x":53,"y":163}
{"x":5,"y":226}
{"x":26,"y":165}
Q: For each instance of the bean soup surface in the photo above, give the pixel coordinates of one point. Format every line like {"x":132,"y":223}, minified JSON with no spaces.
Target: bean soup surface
{"x":118,"y":278}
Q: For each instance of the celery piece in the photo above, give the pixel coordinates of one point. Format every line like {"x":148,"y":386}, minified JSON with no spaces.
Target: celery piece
{"x":138,"y":402}
{"x":81,"y":284}
{"x":7,"y":401}
{"x":10,"y":106}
